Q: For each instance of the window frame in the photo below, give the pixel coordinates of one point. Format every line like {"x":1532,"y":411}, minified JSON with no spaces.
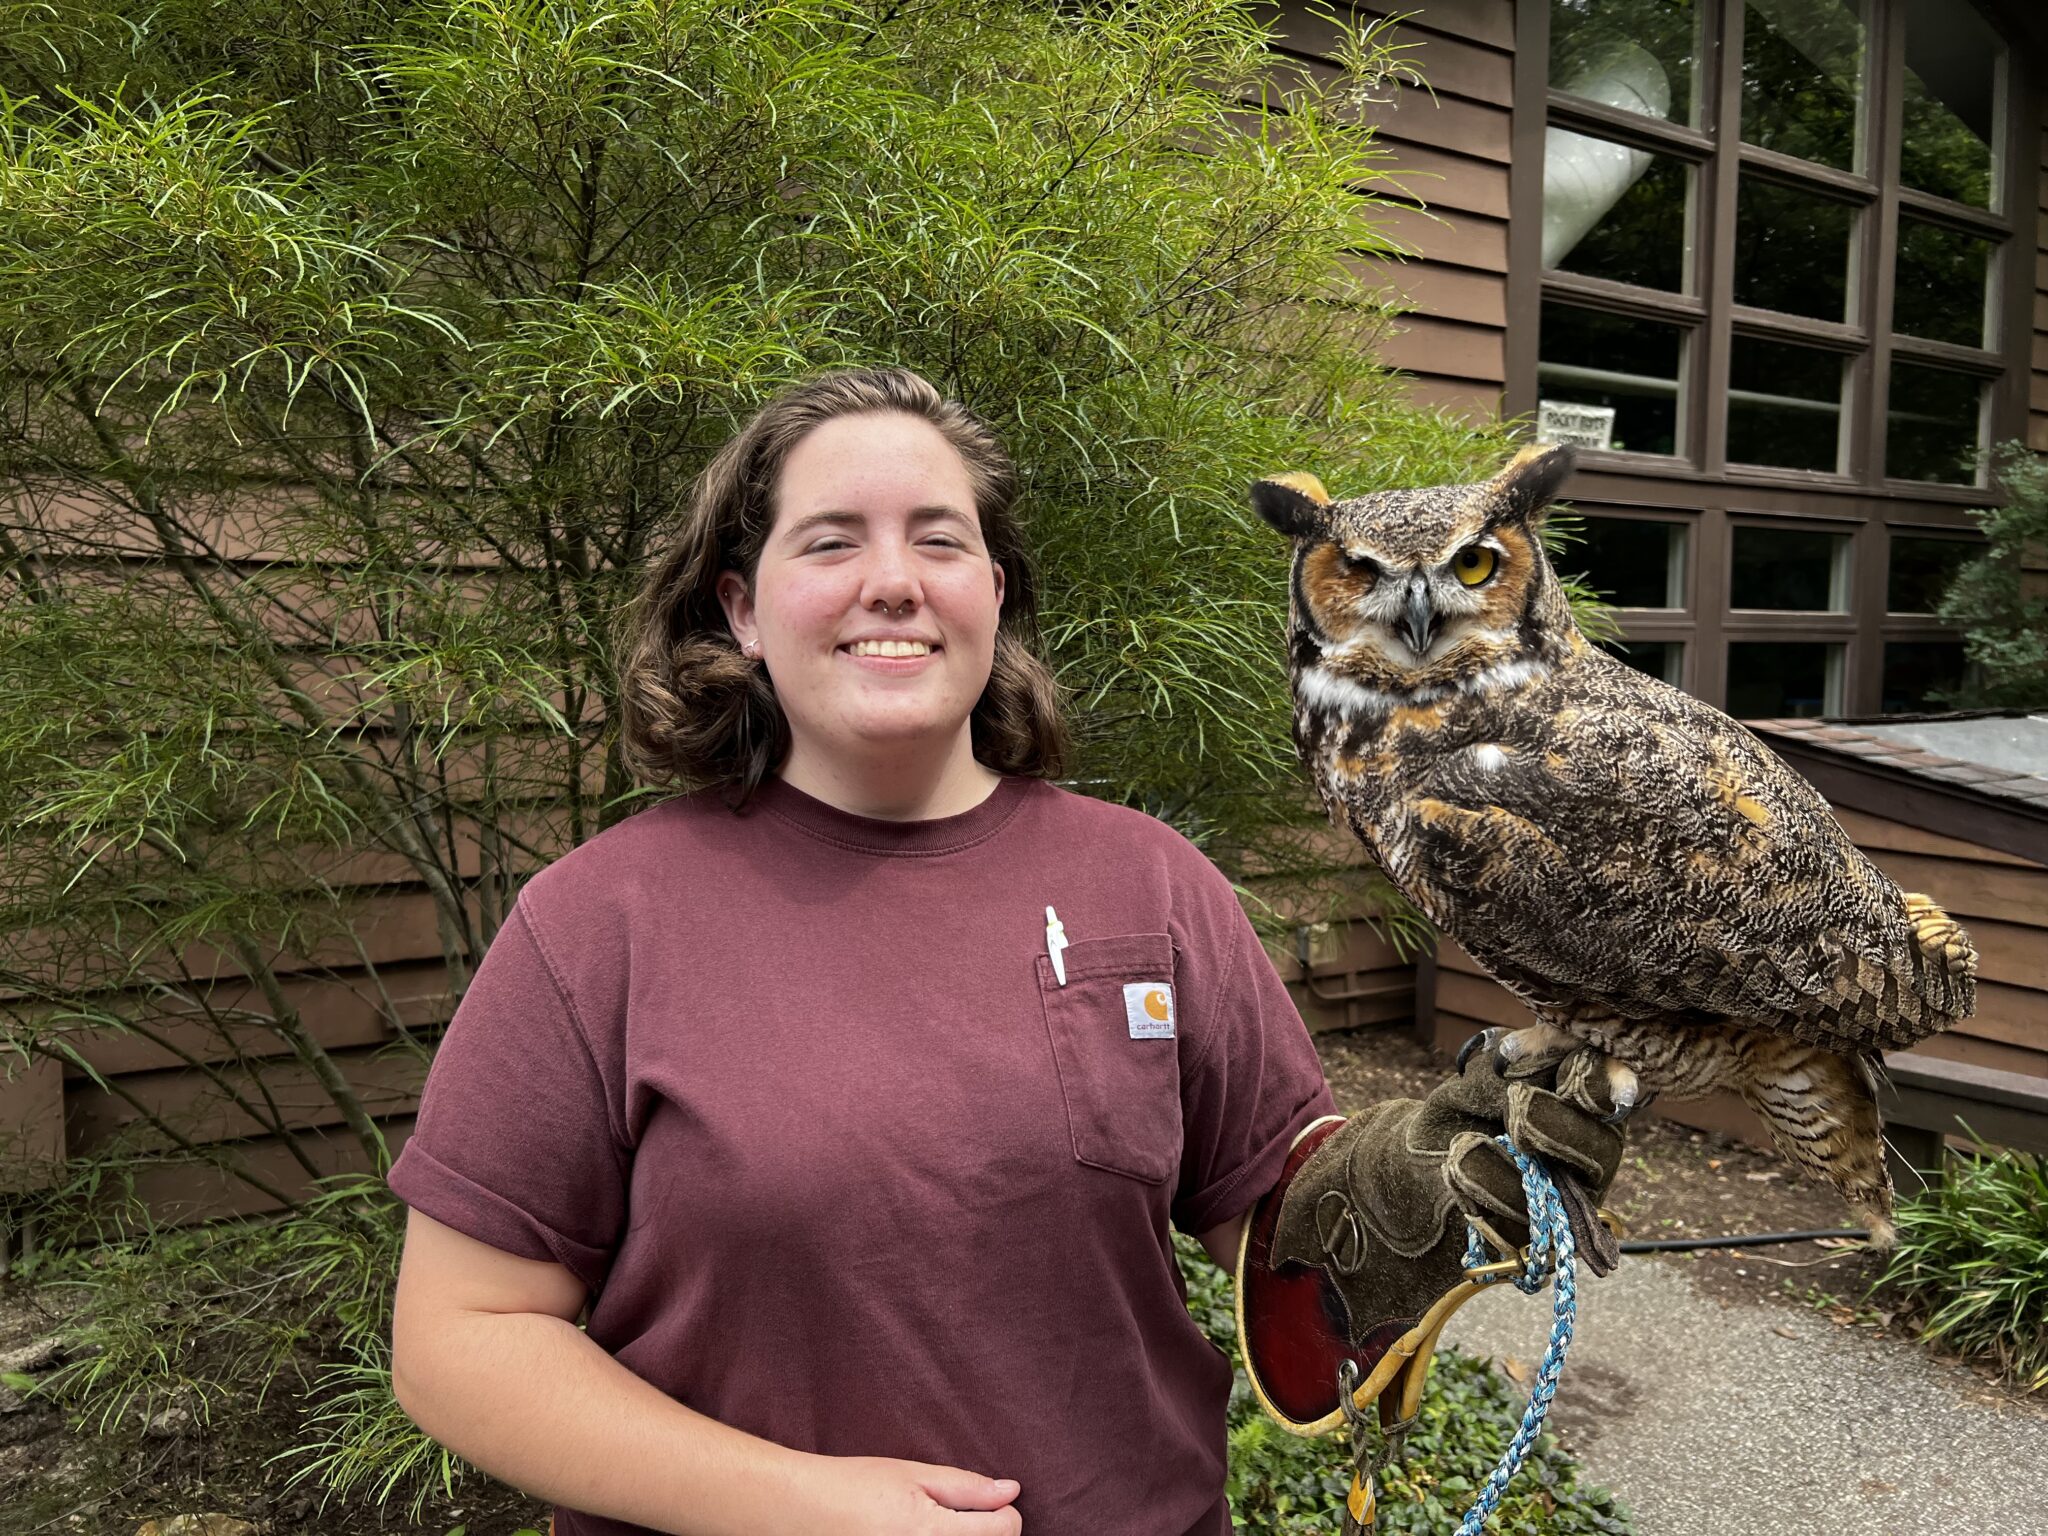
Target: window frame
{"x":1710,"y":315}
{"x":1679,"y":549}
{"x":1807,"y":620}
{"x":1699,"y":485}
{"x":1911,"y":625}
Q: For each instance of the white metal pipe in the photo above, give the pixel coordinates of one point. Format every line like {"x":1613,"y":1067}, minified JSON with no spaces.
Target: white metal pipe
{"x":1583,"y":178}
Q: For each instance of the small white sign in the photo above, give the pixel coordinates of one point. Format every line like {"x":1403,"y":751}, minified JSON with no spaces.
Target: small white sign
{"x":1148,"y":1009}
{"x":1583,"y":426}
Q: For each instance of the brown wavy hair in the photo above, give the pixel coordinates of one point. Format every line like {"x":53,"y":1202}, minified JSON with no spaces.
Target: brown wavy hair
{"x":694,"y":710}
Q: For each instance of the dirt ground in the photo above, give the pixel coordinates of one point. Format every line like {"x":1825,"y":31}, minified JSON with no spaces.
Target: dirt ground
{"x":57,"y":1481}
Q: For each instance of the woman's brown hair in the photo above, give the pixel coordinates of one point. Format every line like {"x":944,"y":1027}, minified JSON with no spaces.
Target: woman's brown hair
{"x":693,"y":709}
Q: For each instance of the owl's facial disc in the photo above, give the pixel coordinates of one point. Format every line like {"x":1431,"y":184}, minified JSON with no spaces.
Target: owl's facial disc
{"x":1409,"y":614}
{"x":1407,"y":597}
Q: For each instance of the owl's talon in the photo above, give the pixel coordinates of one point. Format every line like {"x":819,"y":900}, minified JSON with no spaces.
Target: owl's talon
{"x":1484,"y":1040}
{"x":1623,"y":1108}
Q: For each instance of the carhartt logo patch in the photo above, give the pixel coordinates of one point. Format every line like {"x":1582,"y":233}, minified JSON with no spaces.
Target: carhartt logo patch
{"x":1148,"y":1008}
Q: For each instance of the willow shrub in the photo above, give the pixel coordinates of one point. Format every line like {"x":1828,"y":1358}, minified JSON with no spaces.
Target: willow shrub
{"x":356,"y":356}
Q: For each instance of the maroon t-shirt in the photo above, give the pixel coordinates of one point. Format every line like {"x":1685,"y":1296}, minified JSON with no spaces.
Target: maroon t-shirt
{"x":798,"y":1094}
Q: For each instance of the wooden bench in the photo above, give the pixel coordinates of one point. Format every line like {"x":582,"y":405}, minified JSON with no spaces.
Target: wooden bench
{"x":1929,"y":1099}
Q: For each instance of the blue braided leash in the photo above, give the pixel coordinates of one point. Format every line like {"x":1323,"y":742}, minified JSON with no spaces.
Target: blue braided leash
{"x":1552,"y":1254}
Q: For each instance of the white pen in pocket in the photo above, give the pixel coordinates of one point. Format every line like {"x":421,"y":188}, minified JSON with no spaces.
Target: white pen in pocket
{"x":1056,"y":941}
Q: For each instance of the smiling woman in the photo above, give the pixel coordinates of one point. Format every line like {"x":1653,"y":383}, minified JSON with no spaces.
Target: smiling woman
{"x":856,"y":1089}
{"x":859,"y":515}
{"x":874,"y":608}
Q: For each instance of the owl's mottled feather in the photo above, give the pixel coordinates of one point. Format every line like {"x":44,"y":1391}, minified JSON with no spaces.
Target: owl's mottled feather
{"x":1639,"y":868}
{"x":1703,"y":876}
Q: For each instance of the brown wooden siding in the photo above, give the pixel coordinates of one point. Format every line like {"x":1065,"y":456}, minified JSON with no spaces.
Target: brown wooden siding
{"x":51,"y":1111}
{"x":31,"y":1123}
{"x":1448,"y":170}
{"x":1354,"y":978}
{"x":181,"y":1195}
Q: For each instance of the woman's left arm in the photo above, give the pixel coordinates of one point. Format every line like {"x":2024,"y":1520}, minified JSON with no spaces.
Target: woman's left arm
{"x":1221,"y":1242}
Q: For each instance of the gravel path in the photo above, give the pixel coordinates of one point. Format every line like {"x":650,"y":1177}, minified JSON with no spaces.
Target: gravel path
{"x":1719,"y":1416}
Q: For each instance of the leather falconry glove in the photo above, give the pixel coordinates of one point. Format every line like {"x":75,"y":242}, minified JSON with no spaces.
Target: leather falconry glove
{"x":1359,"y":1252}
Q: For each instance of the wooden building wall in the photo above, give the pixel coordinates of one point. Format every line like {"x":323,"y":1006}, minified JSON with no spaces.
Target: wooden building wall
{"x":1448,"y":176}
{"x":1353,"y":979}
{"x":1451,"y":162}
{"x":191,"y":1070}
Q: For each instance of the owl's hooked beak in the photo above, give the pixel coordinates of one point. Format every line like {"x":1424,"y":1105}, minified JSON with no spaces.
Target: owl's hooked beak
{"x":1419,"y":620}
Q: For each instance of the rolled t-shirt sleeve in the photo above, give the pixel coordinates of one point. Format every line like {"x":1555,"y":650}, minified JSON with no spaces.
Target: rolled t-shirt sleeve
{"x":1252,"y":1083}
{"x":515,"y":1142}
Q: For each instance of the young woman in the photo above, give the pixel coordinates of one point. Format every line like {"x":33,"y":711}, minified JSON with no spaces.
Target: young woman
{"x":856,"y":1092}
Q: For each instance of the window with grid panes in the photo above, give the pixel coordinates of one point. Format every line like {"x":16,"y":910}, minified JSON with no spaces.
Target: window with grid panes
{"x":1773,"y":239}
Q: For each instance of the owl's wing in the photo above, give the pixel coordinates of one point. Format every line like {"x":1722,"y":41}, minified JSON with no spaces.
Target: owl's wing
{"x":1630,"y":850}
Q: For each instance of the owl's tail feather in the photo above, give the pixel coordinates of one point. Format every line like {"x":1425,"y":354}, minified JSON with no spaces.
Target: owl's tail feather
{"x":1946,"y":969}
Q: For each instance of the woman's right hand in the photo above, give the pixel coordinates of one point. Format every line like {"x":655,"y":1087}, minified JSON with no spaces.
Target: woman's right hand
{"x":883,"y":1497}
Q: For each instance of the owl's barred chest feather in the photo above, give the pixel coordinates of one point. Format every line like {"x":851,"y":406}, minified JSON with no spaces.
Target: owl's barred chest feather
{"x":1610,"y":848}
{"x":1397,"y":768}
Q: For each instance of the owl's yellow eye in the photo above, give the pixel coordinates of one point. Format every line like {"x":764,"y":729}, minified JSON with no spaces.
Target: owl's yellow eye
{"x":1473,"y":564}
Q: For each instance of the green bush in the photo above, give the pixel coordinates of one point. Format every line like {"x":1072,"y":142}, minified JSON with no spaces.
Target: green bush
{"x":1973,"y":1259}
{"x":221,"y":1321}
{"x":363,"y":355}
{"x":2005,"y":619}
{"x":1282,"y":1485}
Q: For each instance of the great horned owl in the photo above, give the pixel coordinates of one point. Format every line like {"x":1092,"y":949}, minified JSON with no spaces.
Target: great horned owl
{"x":1634,"y":865}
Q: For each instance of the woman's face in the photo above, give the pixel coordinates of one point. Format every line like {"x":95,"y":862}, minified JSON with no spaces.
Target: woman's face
{"x":875,"y":603}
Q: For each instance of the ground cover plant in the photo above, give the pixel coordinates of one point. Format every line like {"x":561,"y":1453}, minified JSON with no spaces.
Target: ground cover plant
{"x":1972,"y":1262}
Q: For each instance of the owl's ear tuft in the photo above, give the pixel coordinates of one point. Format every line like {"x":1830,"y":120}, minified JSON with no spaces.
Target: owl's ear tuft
{"x":1292,"y":503}
{"x":1531,"y":481}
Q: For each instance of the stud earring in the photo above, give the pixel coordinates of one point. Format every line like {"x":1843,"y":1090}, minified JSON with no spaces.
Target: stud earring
{"x":751,"y":650}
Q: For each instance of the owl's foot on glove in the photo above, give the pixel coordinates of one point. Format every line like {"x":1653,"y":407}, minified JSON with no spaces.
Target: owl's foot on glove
{"x":1553,"y":1102}
{"x":1532,"y":1052}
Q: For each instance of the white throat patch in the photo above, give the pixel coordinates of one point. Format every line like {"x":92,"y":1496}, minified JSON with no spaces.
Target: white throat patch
{"x":1341,"y":696}
{"x":1505,"y":674}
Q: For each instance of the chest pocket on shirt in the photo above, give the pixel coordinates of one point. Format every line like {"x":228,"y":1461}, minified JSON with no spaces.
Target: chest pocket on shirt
{"x":1122,"y":1093}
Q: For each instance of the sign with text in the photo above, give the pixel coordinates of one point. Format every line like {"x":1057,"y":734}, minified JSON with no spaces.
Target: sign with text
{"x":1583,"y":426}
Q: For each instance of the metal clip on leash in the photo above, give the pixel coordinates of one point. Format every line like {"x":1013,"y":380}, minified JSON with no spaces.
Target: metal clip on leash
{"x":1375,"y":1444}
{"x":1551,"y":1254}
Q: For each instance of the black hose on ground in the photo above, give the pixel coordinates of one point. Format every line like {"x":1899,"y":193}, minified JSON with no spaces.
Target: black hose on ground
{"x":1752,"y":1240}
